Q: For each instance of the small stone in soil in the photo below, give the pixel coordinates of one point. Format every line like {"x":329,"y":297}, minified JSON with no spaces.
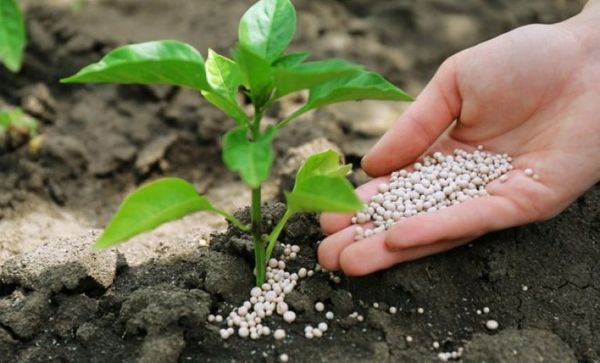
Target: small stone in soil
{"x":284,"y":358}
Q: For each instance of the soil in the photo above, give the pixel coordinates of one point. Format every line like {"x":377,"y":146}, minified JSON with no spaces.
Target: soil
{"x":149,"y":300}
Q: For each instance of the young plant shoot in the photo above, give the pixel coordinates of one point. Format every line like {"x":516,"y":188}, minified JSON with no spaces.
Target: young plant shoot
{"x":260,"y":68}
{"x":16,"y":129}
{"x":12,"y":35}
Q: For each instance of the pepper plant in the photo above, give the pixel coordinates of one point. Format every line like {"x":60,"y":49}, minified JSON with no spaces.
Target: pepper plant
{"x":12,"y":35}
{"x":259,"y":68}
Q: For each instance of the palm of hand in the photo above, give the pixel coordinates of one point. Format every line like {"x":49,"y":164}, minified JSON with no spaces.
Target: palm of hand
{"x":519,"y":93}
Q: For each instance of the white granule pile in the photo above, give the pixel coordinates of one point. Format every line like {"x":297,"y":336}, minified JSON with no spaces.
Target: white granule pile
{"x":249,"y":319}
{"x":439,"y":181}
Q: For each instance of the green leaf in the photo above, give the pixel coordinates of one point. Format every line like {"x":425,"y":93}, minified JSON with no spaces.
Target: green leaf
{"x":159,"y":62}
{"x":322,"y":193}
{"x":151,"y":205}
{"x":224,"y":77}
{"x":360,"y":86}
{"x":308,"y":75}
{"x":12,"y":35}
{"x":321,"y":186}
{"x":356,"y":87}
{"x":292,"y":59}
{"x":224,"y":104}
{"x":326,"y":163}
{"x":5,"y":118}
{"x":267,"y":28}
{"x":252,"y":159}
{"x":258,"y":76}
{"x":18,"y":120}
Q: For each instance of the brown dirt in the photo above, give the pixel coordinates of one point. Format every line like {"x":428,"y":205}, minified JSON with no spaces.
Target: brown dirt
{"x":102,"y":141}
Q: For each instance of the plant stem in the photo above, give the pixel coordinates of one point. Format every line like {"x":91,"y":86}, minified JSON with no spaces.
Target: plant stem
{"x":236,"y":222}
{"x":259,"y":250}
{"x":292,"y":117}
{"x":256,"y":213}
{"x":276,"y":232}
{"x":255,"y":127}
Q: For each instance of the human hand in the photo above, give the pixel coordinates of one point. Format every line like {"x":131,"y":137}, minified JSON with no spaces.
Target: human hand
{"x":532,"y":93}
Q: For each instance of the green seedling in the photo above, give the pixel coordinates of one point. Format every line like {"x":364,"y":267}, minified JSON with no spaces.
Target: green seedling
{"x":16,"y":128}
{"x":12,"y":35}
{"x":260,"y":68}
{"x":17,"y":121}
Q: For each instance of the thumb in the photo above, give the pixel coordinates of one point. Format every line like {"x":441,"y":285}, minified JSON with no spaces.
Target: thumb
{"x":422,"y":123}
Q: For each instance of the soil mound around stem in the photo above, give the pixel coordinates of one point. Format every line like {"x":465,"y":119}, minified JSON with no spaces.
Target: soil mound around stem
{"x":544,"y":298}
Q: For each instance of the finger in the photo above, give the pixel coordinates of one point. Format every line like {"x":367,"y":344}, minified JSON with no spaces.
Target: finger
{"x":422,"y":123}
{"x":330,"y":248}
{"x":469,"y":219}
{"x":333,"y":222}
{"x":371,"y":254}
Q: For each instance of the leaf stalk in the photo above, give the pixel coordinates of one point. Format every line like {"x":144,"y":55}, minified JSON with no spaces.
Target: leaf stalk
{"x":292,"y":117}
{"x":276,"y":232}
{"x":236,"y":222}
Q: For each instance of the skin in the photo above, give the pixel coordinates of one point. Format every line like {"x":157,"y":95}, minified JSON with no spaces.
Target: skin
{"x":532,"y":93}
